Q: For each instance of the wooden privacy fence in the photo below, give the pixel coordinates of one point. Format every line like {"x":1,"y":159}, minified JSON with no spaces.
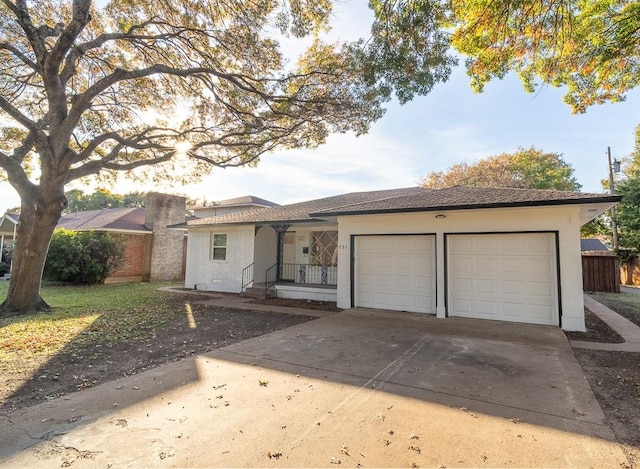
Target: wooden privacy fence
{"x":601,"y":274}
{"x":630,"y":272}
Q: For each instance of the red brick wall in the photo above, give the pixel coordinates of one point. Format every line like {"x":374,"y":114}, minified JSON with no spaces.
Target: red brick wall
{"x":133,"y":263}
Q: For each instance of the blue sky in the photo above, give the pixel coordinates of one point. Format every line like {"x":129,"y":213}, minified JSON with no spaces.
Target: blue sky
{"x":450,"y":125}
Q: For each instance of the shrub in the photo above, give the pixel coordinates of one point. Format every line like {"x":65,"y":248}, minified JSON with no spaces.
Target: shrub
{"x":85,"y":257}
{"x":5,"y":265}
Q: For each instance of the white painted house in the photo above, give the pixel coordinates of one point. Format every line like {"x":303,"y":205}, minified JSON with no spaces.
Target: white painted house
{"x":489,"y":253}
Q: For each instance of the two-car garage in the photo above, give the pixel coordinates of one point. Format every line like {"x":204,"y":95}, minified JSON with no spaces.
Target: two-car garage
{"x":498,"y":276}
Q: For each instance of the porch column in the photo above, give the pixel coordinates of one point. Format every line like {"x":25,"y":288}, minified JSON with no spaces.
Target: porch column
{"x":13,"y":244}
{"x":1,"y":247}
{"x":280,"y":229}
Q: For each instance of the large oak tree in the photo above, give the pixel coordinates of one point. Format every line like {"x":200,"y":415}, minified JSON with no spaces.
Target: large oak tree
{"x":172,"y":88}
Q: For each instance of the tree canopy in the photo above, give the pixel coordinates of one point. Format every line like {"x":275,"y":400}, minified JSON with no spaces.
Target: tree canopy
{"x":590,"y":46}
{"x":627,"y":213}
{"x":525,"y":168}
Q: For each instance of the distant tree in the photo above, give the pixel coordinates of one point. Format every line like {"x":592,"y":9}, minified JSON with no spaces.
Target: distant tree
{"x":79,"y":201}
{"x":525,"y":168}
{"x":628,"y":210}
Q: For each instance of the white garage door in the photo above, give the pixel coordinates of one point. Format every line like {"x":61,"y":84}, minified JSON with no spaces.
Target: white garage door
{"x":396,"y":272}
{"x":507,"y":277}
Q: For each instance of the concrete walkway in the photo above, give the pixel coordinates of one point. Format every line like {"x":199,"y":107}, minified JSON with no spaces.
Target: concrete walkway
{"x":625,"y":328}
{"x":629,"y":289}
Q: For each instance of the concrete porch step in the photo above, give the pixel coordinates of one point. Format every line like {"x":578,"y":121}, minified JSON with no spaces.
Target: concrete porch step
{"x":257,"y":292}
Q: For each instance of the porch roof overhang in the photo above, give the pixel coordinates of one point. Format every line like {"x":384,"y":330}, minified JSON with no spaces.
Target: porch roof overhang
{"x":7,"y":224}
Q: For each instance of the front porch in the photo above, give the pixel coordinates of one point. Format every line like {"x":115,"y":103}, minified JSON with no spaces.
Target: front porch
{"x":303,"y":262}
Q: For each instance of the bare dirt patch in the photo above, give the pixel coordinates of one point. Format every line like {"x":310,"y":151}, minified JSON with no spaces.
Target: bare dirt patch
{"x":597,"y":331}
{"x":305,"y":304}
{"x":614,"y":377}
{"x":85,"y":362}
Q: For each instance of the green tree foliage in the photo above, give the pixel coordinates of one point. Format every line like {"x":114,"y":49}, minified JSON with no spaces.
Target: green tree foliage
{"x":79,"y":201}
{"x":628,"y":214}
{"x":591,"y":47}
{"x":628,"y":210}
{"x":82,"y":257}
{"x":169,"y":89}
{"x":525,"y":168}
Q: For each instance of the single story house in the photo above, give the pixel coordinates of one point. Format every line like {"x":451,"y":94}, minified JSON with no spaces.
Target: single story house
{"x":474,"y":252}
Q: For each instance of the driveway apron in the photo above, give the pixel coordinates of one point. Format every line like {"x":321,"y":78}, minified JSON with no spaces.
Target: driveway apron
{"x":361,"y":388}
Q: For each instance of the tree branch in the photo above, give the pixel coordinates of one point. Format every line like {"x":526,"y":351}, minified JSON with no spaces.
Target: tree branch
{"x":18,"y":53}
{"x":7,"y":107}
{"x":21,"y":12}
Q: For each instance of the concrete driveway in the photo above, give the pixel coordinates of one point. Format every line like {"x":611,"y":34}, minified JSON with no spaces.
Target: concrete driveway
{"x":360,"y":388}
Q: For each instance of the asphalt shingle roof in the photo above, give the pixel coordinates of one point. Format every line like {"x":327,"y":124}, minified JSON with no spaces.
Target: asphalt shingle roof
{"x":121,"y":219}
{"x":243,"y":200}
{"x":468,"y":197}
{"x":299,"y":211}
{"x":592,"y":244}
{"x":412,"y":199}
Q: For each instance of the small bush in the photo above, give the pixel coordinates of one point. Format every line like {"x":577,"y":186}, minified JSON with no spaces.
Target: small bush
{"x":84,"y":257}
{"x":5,"y":265}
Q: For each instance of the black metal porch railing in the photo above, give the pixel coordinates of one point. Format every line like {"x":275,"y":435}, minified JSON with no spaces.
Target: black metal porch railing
{"x":301,"y":274}
{"x":270,"y":278}
{"x":309,"y":274}
{"x":247,"y":276}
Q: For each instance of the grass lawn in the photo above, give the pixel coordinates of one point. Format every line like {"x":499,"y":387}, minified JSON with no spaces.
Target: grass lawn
{"x":103,"y":314}
{"x":625,"y":304}
{"x":100,"y":333}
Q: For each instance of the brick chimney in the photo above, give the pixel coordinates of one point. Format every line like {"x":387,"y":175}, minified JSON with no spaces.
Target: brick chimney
{"x":167,"y":246}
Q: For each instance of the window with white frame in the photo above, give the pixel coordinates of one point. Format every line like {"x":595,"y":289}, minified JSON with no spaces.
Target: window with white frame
{"x":324,"y":248}
{"x":218,"y":247}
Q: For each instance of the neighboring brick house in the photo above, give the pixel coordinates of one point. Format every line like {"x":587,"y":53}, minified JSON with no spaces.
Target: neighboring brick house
{"x":152,"y":251}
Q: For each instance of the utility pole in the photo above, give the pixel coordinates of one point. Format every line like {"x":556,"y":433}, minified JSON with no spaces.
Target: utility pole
{"x":615,"y":167}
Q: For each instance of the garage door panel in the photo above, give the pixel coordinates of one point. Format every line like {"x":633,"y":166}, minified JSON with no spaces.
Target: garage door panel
{"x":463,"y":285}
{"x":395,"y":272}
{"x":487,"y":308}
{"x":540,"y":289}
{"x":462,"y":264}
{"x":510,"y":277}
{"x":486,"y":286}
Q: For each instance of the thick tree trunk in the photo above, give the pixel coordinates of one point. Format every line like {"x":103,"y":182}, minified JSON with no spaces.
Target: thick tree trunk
{"x":33,"y":235}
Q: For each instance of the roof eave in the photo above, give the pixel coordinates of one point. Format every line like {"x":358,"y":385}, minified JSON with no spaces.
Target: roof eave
{"x":614,"y":199}
{"x":239,"y":223}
